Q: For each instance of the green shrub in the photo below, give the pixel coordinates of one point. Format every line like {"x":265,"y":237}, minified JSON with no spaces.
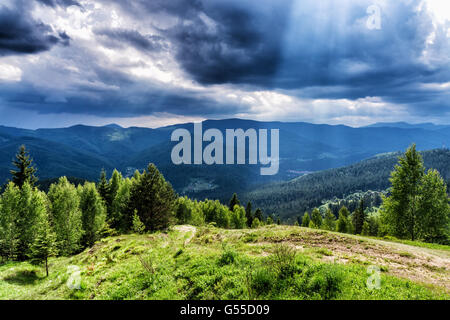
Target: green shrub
{"x":228,"y":257}
{"x":282,"y":261}
{"x":262,"y":280}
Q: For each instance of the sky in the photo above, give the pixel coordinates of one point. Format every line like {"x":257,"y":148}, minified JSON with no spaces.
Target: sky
{"x":158,"y":62}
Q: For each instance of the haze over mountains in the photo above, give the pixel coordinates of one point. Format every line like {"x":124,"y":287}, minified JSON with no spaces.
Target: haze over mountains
{"x":82,"y":151}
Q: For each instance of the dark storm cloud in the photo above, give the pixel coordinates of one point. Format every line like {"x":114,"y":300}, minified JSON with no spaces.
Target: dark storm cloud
{"x":20,"y":34}
{"x":62,"y":3}
{"x":126,"y":37}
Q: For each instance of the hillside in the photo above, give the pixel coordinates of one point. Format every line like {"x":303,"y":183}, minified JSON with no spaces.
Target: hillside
{"x":273,"y":262}
{"x":293,"y":198}
{"x":81,"y":151}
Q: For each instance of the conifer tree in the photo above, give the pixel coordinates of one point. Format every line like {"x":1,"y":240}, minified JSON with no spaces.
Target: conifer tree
{"x":342,"y":224}
{"x":329,"y":223}
{"x":249,"y":214}
{"x":233,"y":202}
{"x":66,"y":216}
{"x":359,"y":217}
{"x":316,"y":218}
{"x":103,"y":186}
{"x":434,"y":209}
{"x":93,"y":213}
{"x":33,"y":204}
{"x":113,"y":189}
{"x":44,"y":244}
{"x":306,"y":219}
{"x":401,"y":212}
{"x":153,"y":199}
{"x":25,"y":170}
{"x":9,"y":235}
{"x":259,"y":215}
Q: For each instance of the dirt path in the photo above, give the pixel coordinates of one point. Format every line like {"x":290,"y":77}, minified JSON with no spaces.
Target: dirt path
{"x":425,"y":265}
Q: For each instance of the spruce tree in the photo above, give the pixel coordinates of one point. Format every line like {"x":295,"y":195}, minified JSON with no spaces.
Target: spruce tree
{"x":434,"y":209}
{"x":233,"y":202}
{"x":9,"y":233}
{"x":342,"y":224}
{"x":359,"y":217}
{"x":401,"y":212}
{"x":103,"y":186}
{"x":316,"y":218}
{"x":25,"y":169}
{"x":44,"y":244}
{"x":329,"y":223}
{"x":93,"y":213}
{"x":259,"y":215}
{"x":153,"y":198}
{"x":66,"y":216}
{"x":249,"y":214}
{"x":306,"y":219}
{"x":113,"y":189}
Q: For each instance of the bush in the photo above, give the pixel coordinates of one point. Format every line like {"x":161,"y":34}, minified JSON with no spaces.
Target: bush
{"x":261,"y":281}
{"x":321,"y":282}
{"x":282,"y":261}
{"x":228,"y":257}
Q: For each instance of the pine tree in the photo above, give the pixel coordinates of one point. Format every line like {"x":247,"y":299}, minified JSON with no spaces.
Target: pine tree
{"x":259,"y":215}
{"x":138,"y":226}
{"x":434,"y":209}
{"x":44,"y":244}
{"x":113,"y":188}
{"x":93,"y":213}
{"x":9,"y":235}
{"x":329,"y":223}
{"x":153,"y":198}
{"x":279,"y":221}
{"x":342,"y":224}
{"x":401,"y":207}
{"x":316,"y":217}
{"x":234,"y":201}
{"x":269,"y":220}
{"x":305,"y":220}
{"x":103,"y":186}
{"x":119,"y":218}
{"x":249,"y":214}
{"x":238,"y":220}
{"x":66,"y":216}
{"x":25,"y":170}
{"x":33,"y":204}
{"x":359,"y":217}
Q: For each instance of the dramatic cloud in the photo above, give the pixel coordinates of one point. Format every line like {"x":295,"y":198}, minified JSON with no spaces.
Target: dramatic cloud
{"x":305,"y":60}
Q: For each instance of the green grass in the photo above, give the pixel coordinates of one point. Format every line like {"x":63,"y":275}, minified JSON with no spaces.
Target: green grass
{"x":216,"y":264}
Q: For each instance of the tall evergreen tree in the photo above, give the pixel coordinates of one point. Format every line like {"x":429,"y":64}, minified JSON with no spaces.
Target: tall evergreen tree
{"x":33,"y":205}
{"x":113,"y":189}
{"x":44,"y":244}
{"x":249,"y":214}
{"x":93,"y":213}
{"x":306,"y":219}
{"x":434,"y":209}
{"x":329,"y":223}
{"x":342,"y":224}
{"x":401,"y":207}
{"x":233,"y":202}
{"x":119,"y":218}
{"x":25,"y":170}
{"x":259,"y":215}
{"x":316,"y":218}
{"x":103,"y":186}
{"x":153,"y":199}
{"x":359,"y":217}
{"x":9,"y":233}
{"x":66,"y":216}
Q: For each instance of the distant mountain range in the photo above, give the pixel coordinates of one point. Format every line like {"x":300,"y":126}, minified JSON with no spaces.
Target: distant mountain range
{"x":82,"y":151}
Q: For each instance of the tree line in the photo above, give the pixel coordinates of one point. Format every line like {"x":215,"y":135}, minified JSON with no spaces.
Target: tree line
{"x":67,"y":219}
{"x":416,"y":207}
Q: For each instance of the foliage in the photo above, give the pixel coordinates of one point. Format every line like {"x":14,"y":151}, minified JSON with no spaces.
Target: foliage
{"x":25,"y":170}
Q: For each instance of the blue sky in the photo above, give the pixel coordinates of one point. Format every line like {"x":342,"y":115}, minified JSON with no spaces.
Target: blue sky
{"x":158,"y":62}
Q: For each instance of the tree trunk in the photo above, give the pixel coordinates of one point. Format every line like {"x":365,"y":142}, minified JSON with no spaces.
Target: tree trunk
{"x":46,"y":266}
